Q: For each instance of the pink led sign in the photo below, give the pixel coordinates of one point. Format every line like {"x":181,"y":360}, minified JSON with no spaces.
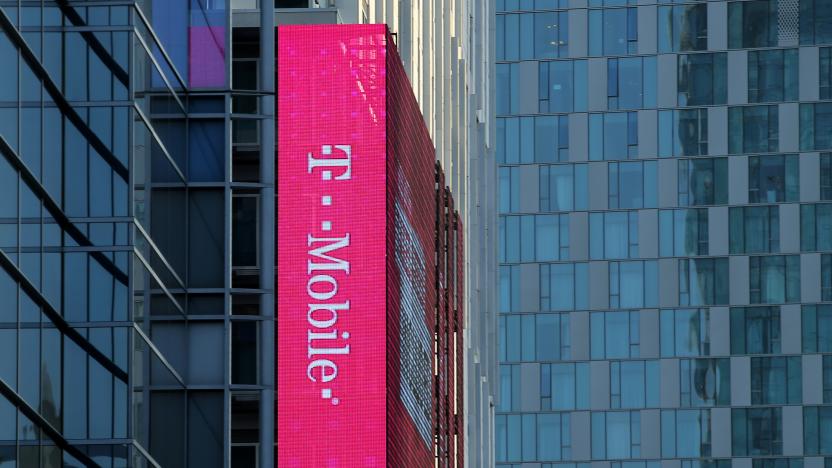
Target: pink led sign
{"x":331,"y":215}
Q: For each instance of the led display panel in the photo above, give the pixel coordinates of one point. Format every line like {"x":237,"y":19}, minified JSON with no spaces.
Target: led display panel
{"x":331,"y":238}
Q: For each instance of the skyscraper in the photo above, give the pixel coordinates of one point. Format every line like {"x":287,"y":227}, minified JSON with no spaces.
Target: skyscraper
{"x":664,"y":255}
{"x":137,"y":209}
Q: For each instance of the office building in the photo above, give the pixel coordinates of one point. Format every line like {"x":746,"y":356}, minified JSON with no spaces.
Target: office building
{"x":137,"y":227}
{"x":665,"y":257}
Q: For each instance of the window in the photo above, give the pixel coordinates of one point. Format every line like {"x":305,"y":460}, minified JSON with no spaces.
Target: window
{"x":613,"y":31}
{"x":754,"y":229}
{"x":685,"y":332}
{"x":614,"y":335}
{"x":531,"y":437}
{"x":686,"y":433}
{"x":825,"y":59}
{"x":755,"y":330}
{"x":826,"y":176}
{"x":562,"y":86}
{"x":534,"y":238}
{"x":509,"y":288}
{"x":563,"y":187}
{"x":683,"y":28}
{"x":702,"y":79}
{"x":703,"y":281}
{"x":510,"y":388}
{"x":512,"y":5}
{"x":776,"y":380}
{"x":703,"y":181}
{"x":705,"y":382}
{"x":827,"y":379}
{"x":563,"y":286}
{"x":683,"y":232}
{"x":773,"y":179}
{"x":245,"y":232}
{"x":756,"y":431}
{"x":817,"y":328}
{"x":815,"y":21}
{"x":817,"y":430}
{"x":633,"y":284}
{"x":826,"y":277}
{"x":634,"y":384}
{"x":753,"y":129}
{"x":613,"y":234}
{"x":632,"y":184}
{"x":564,"y":386}
{"x":777,"y":463}
{"x":683,"y":132}
{"x":772,"y":75}
{"x":613,"y":136}
{"x":508,"y":88}
{"x":631,"y":83}
{"x":724,"y":463}
{"x":616,"y":434}
{"x":774,"y":279}
{"x":528,"y":140}
{"x":509,"y":189}
{"x":815,"y":126}
{"x":534,"y":337}
{"x":752,"y":24}
{"x":244,"y":352}
{"x":530,"y":36}
{"x":816,"y":227}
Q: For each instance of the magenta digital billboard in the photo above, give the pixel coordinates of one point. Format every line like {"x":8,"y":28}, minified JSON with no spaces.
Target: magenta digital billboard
{"x":331,"y":261}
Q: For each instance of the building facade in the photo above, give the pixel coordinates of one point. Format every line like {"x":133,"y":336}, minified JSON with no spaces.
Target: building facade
{"x":137,"y":240}
{"x":665,"y":262}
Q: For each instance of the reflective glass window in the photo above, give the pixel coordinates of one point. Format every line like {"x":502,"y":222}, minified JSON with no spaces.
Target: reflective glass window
{"x":616,"y":434}
{"x":705,"y":382}
{"x":772,"y":75}
{"x":817,"y":430}
{"x":682,"y":28}
{"x":815,"y":126}
{"x":528,"y":36}
{"x":754,"y":229}
{"x":776,"y":380}
{"x":815,"y":227}
{"x":613,"y":31}
{"x":755,"y":330}
{"x":634,"y":384}
{"x":562,"y":187}
{"x":562,"y":86}
{"x":752,"y":24}
{"x":631,"y":83}
{"x":774,"y":279}
{"x":815,"y":22}
{"x":686,"y":433}
{"x":564,"y":386}
{"x":527,"y":140}
{"x":534,"y":238}
{"x":632,"y":184}
{"x":702,"y":79}
{"x":825,"y":58}
{"x":633,"y":284}
{"x":703,"y":181}
{"x":817,"y":328}
{"x":534,"y":337}
{"x":753,"y":129}
{"x":614,"y":335}
{"x":613,"y":234}
{"x":773,"y":179}
{"x":683,"y":232}
{"x":703,"y":281}
{"x":685,"y":332}
{"x":683,"y":132}
{"x":563,"y":286}
{"x":613,"y":136}
{"x":757,"y":431}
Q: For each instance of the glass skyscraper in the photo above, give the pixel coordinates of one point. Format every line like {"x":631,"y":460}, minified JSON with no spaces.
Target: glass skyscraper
{"x":665,"y":233}
{"x":137,"y":221}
